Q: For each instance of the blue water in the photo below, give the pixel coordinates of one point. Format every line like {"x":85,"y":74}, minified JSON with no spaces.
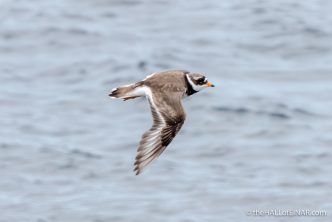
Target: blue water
{"x":259,"y":140}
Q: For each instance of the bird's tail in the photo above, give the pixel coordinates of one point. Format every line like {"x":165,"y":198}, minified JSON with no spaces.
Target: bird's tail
{"x":126,"y":92}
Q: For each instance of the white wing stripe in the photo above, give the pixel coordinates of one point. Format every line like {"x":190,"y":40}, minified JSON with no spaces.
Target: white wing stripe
{"x":149,"y":76}
{"x":149,"y":96}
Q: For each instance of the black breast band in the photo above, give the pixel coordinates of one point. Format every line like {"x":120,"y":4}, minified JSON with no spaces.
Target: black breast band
{"x":190,"y":89}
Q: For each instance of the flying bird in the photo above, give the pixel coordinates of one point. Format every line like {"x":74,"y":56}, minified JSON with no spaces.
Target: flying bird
{"x":164,"y":92}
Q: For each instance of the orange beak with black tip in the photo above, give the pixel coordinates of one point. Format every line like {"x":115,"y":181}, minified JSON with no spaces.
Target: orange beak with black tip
{"x":209,"y":84}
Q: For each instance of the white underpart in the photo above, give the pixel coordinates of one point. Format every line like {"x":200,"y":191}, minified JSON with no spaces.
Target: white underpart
{"x":138,"y":91}
{"x":195,"y":87}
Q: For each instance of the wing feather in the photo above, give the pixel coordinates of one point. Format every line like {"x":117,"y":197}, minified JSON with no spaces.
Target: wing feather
{"x":160,"y":135}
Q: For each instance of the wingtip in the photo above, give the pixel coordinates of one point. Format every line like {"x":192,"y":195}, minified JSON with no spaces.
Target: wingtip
{"x":137,"y":170}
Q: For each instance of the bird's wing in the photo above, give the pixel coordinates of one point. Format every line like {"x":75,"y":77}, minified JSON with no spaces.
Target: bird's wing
{"x":168,"y":118}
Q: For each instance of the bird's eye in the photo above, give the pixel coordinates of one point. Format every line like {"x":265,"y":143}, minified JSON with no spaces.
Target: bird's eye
{"x":201,"y":79}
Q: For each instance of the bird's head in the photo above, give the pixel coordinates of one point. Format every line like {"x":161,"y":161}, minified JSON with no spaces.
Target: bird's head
{"x":198,"y":81}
